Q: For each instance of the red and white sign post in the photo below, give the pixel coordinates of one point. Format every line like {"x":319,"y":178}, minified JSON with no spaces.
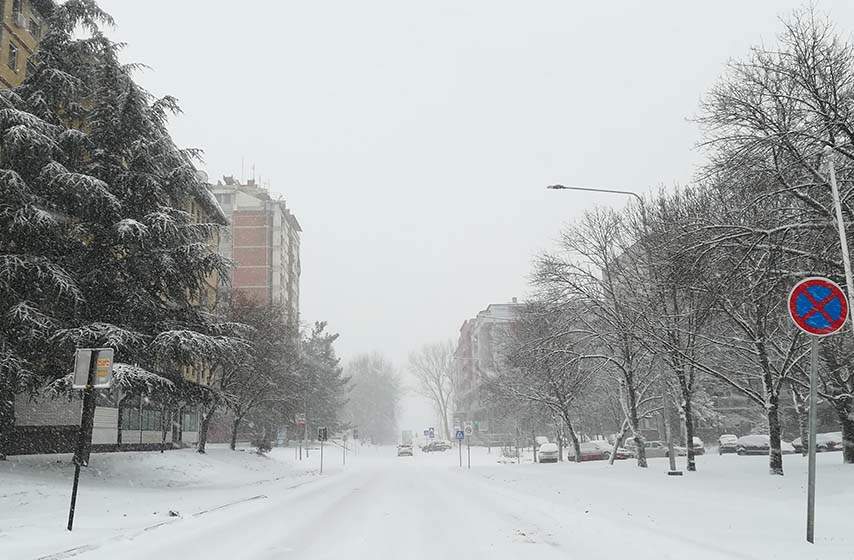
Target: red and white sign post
{"x":818,"y":307}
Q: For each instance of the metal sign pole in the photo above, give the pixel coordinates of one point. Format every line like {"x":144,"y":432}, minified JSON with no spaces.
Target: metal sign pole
{"x":468,"y":448}
{"x":460,"y":442}
{"x":321,"y":456}
{"x":843,"y":240}
{"x":812,"y":429}
{"x":84,"y":436}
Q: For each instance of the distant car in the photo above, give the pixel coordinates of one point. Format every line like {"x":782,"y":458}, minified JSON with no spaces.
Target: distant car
{"x":653,"y":449}
{"x":760,"y":444}
{"x":438,"y":445}
{"x":727,"y":443}
{"x":598,"y":451}
{"x":699,"y":446}
{"x":753,"y":445}
{"x":830,"y":441}
{"x":404,"y":449}
{"x":541,"y":440}
{"x":548,"y":453}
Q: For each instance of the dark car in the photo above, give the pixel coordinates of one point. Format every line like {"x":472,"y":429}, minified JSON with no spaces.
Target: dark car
{"x":598,"y":451}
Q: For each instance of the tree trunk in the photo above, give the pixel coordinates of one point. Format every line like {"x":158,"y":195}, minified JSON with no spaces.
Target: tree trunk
{"x":204,"y":423}
{"x":573,"y":437}
{"x":235,"y":425}
{"x":7,"y":422}
{"x":845,"y":410}
{"x":775,"y":454}
{"x":803,"y":419}
{"x":177,"y":415}
{"x":619,"y":441}
{"x":689,"y":432}
{"x":119,"y":423}
{"x":634,"y":423}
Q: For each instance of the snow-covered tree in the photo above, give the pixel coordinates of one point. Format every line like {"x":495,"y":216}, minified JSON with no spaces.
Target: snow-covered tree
{"x":105,"y":248}
{"x":374,"y":397}
{"x":432,"y":366}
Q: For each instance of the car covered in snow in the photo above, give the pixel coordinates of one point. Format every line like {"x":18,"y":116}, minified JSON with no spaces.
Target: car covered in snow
{"x":438,"y":445}
{"x":699,"y":446}
{"x":830,"y":441}
{"x":727,"y":443}
{"x":548,"y":453}
{"x":760,"y":444}
{"x":404,"y":449}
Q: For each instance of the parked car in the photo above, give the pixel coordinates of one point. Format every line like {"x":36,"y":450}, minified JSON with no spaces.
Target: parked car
{"x":404,"y":449}
{"x":727,"y":443}
{"x":548,"y":453}
{"x":830,"y":441}
{"x":760,"y":444}
{"x":622,"y":452}
{"x":541,"y":440}
{"x":653,"y":449}
{"x":598,"y":450}
{"x":438,"y":445}
{"x":590,"y":451}
{"x":699,"y":446}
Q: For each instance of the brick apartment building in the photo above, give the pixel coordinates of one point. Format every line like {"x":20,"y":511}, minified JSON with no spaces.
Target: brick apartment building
{"x":263,"y":240}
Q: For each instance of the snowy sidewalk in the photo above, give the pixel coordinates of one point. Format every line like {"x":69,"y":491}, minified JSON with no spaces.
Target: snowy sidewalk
{"x":128,"y":493}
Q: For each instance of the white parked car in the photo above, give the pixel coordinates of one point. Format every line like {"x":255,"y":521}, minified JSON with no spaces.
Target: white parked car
{"x":548,"y":453}
{"x":404,"y":449}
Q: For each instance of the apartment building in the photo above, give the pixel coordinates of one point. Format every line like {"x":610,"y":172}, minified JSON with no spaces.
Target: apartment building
{"x":263,"y":240}
{"x":480,"y":353}
{"x":23,"y":26}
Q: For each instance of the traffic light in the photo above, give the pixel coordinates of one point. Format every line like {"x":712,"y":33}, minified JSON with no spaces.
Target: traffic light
{"x":322,"y":434}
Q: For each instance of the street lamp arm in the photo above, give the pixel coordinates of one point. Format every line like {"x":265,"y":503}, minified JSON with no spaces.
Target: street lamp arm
{"x":564,"y":187}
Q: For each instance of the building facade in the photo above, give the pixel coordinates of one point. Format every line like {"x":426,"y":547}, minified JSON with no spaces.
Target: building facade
{"x":263,"y":240}
{"x":23,"y":26}
{"x":480,"y":354}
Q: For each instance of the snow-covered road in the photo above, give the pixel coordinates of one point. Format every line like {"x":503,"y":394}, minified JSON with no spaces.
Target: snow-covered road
{"x":383,"y":507}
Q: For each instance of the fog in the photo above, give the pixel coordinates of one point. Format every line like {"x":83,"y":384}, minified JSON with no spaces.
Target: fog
{"x":414,"y":141}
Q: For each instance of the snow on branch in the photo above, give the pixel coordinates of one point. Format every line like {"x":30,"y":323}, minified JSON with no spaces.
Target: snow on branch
{"x":100,"y":334}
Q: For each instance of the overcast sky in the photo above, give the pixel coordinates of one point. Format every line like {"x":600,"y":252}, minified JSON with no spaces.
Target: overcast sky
{"x":413,"y":140}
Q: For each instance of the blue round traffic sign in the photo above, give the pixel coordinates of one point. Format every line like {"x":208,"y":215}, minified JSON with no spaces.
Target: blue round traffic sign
{"x":818,"y":306}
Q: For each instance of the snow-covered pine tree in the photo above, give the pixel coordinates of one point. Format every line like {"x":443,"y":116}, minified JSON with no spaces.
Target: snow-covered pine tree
{"x":103,"y":248}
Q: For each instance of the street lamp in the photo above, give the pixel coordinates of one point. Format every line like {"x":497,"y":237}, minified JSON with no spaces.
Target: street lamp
{"x":668,"y":428}
{"x":566,"y":188}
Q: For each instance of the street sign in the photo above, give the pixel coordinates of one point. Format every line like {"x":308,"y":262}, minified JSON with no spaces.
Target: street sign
{"x":818,"y":306}
{"x":431,"y":433}
{"x":460,"y":435}
{"x":426,"y":433}
{"x":469,"y":430}
{"x":322,"y":434}
{"x":103,"y":367}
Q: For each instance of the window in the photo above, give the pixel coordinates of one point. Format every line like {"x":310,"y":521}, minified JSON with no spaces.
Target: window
{"x":35,"y":28}
{"x":150,"y":419}
{"x":13,"y":57}
{"x":16,"y":7}
{"x":191,"y":422}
